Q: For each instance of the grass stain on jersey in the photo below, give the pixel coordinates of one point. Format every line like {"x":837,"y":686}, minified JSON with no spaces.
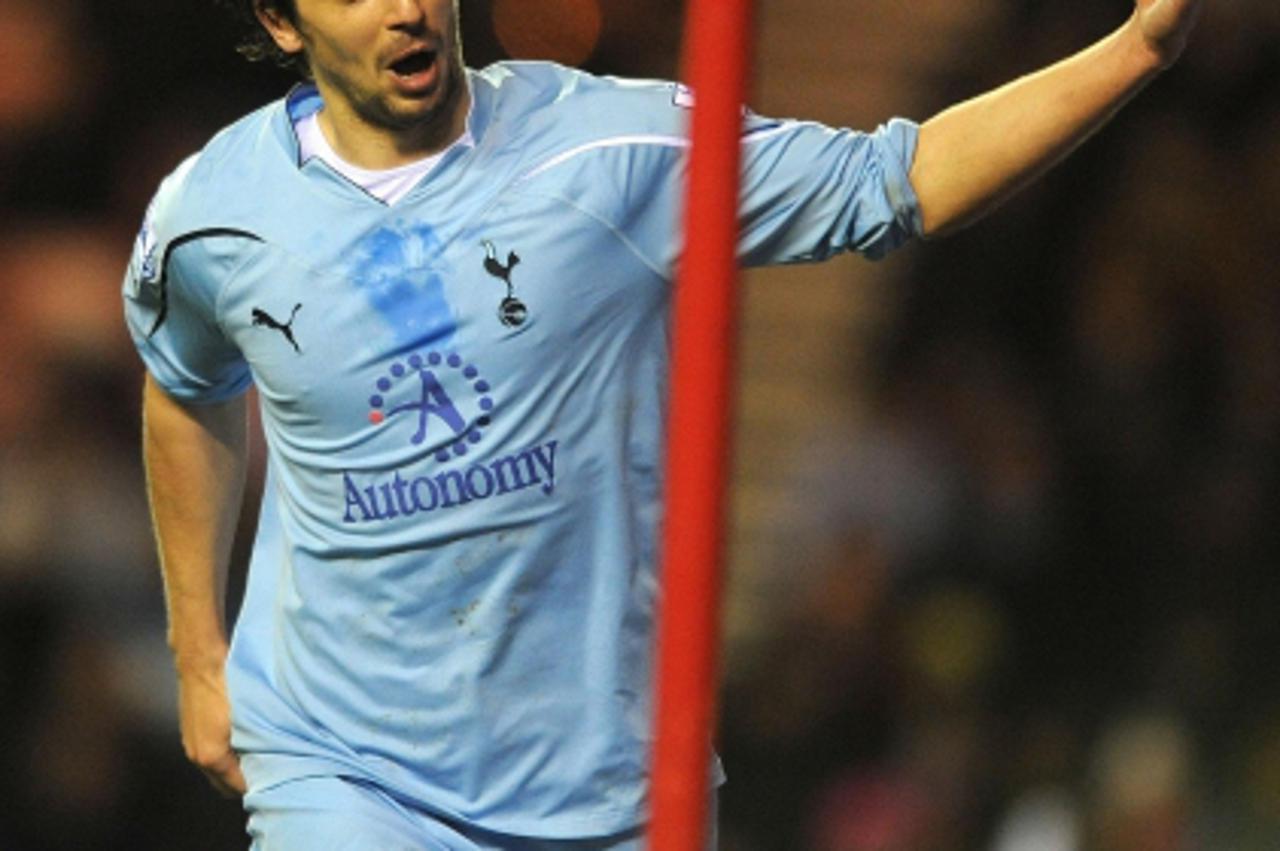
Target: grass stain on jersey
{"x":399,"y":270}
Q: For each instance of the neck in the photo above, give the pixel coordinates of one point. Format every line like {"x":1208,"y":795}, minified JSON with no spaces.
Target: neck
{"x":371,"y":146}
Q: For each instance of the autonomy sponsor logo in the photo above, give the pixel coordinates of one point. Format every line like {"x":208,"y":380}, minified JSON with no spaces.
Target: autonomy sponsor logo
{"x":439,"y":400}
{"x":407,"y":495}
{"x":428,"y":401}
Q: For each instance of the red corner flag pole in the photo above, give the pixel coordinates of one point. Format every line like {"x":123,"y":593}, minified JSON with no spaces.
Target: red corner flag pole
{"x":717,"y":43}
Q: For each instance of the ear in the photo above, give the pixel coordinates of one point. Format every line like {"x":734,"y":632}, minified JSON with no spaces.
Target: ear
{"x":282,"y":30}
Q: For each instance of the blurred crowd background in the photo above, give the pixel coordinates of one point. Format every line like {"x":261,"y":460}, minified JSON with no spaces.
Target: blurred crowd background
{"x":1022,"y":596}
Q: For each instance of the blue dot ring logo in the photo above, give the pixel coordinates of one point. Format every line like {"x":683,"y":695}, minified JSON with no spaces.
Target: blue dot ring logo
{"x":441,"y":403}
{"x":416,"y":386}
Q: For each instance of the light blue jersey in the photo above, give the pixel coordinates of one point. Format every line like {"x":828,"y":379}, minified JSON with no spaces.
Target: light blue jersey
{"x":452,"y":591}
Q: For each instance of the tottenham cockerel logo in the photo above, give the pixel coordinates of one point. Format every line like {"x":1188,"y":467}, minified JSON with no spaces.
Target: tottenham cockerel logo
{"x":512,"y":312}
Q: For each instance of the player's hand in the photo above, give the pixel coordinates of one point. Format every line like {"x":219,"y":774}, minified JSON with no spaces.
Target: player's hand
{"x":204,"y":714}
{"x":1165,"y":25}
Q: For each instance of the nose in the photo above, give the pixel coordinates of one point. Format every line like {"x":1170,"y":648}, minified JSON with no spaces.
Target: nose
{"x":406,"y":15}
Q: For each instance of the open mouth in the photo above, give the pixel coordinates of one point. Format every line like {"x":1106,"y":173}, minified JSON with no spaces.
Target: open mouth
{"x":414,"y":63}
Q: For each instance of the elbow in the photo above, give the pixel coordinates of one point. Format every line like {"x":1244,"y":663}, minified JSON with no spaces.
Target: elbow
{"x":936,"y":216}
{"x":942,"y":216}
{"x":935,"y":222}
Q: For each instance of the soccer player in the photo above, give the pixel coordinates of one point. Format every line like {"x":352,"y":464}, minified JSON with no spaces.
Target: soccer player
{"x":450,"y":287}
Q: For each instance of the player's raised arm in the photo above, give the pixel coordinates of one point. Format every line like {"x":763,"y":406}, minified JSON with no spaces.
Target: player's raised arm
{"x":195,"y":459}
{"x":973,"y":156}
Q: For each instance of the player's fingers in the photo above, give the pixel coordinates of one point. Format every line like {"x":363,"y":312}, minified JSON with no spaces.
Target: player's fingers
{"x":236,"y":779}
{"x":225,"y":776}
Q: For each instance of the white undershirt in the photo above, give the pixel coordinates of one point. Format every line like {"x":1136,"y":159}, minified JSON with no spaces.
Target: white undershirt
{"x":388,"y":185}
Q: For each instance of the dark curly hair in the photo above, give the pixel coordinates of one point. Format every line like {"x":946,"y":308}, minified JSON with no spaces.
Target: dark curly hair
{"x":256,"y":44}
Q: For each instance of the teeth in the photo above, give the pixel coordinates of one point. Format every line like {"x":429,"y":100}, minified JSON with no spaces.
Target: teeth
{"x":413,"y":63}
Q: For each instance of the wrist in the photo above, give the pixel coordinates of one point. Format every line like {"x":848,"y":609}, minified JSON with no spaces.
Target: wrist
{"x":1155,"y":43}
{"x":1141,"y":54}
{"x":198,"y":657}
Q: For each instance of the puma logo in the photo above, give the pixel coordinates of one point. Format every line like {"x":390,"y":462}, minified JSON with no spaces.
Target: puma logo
{"x":265,"y":320}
